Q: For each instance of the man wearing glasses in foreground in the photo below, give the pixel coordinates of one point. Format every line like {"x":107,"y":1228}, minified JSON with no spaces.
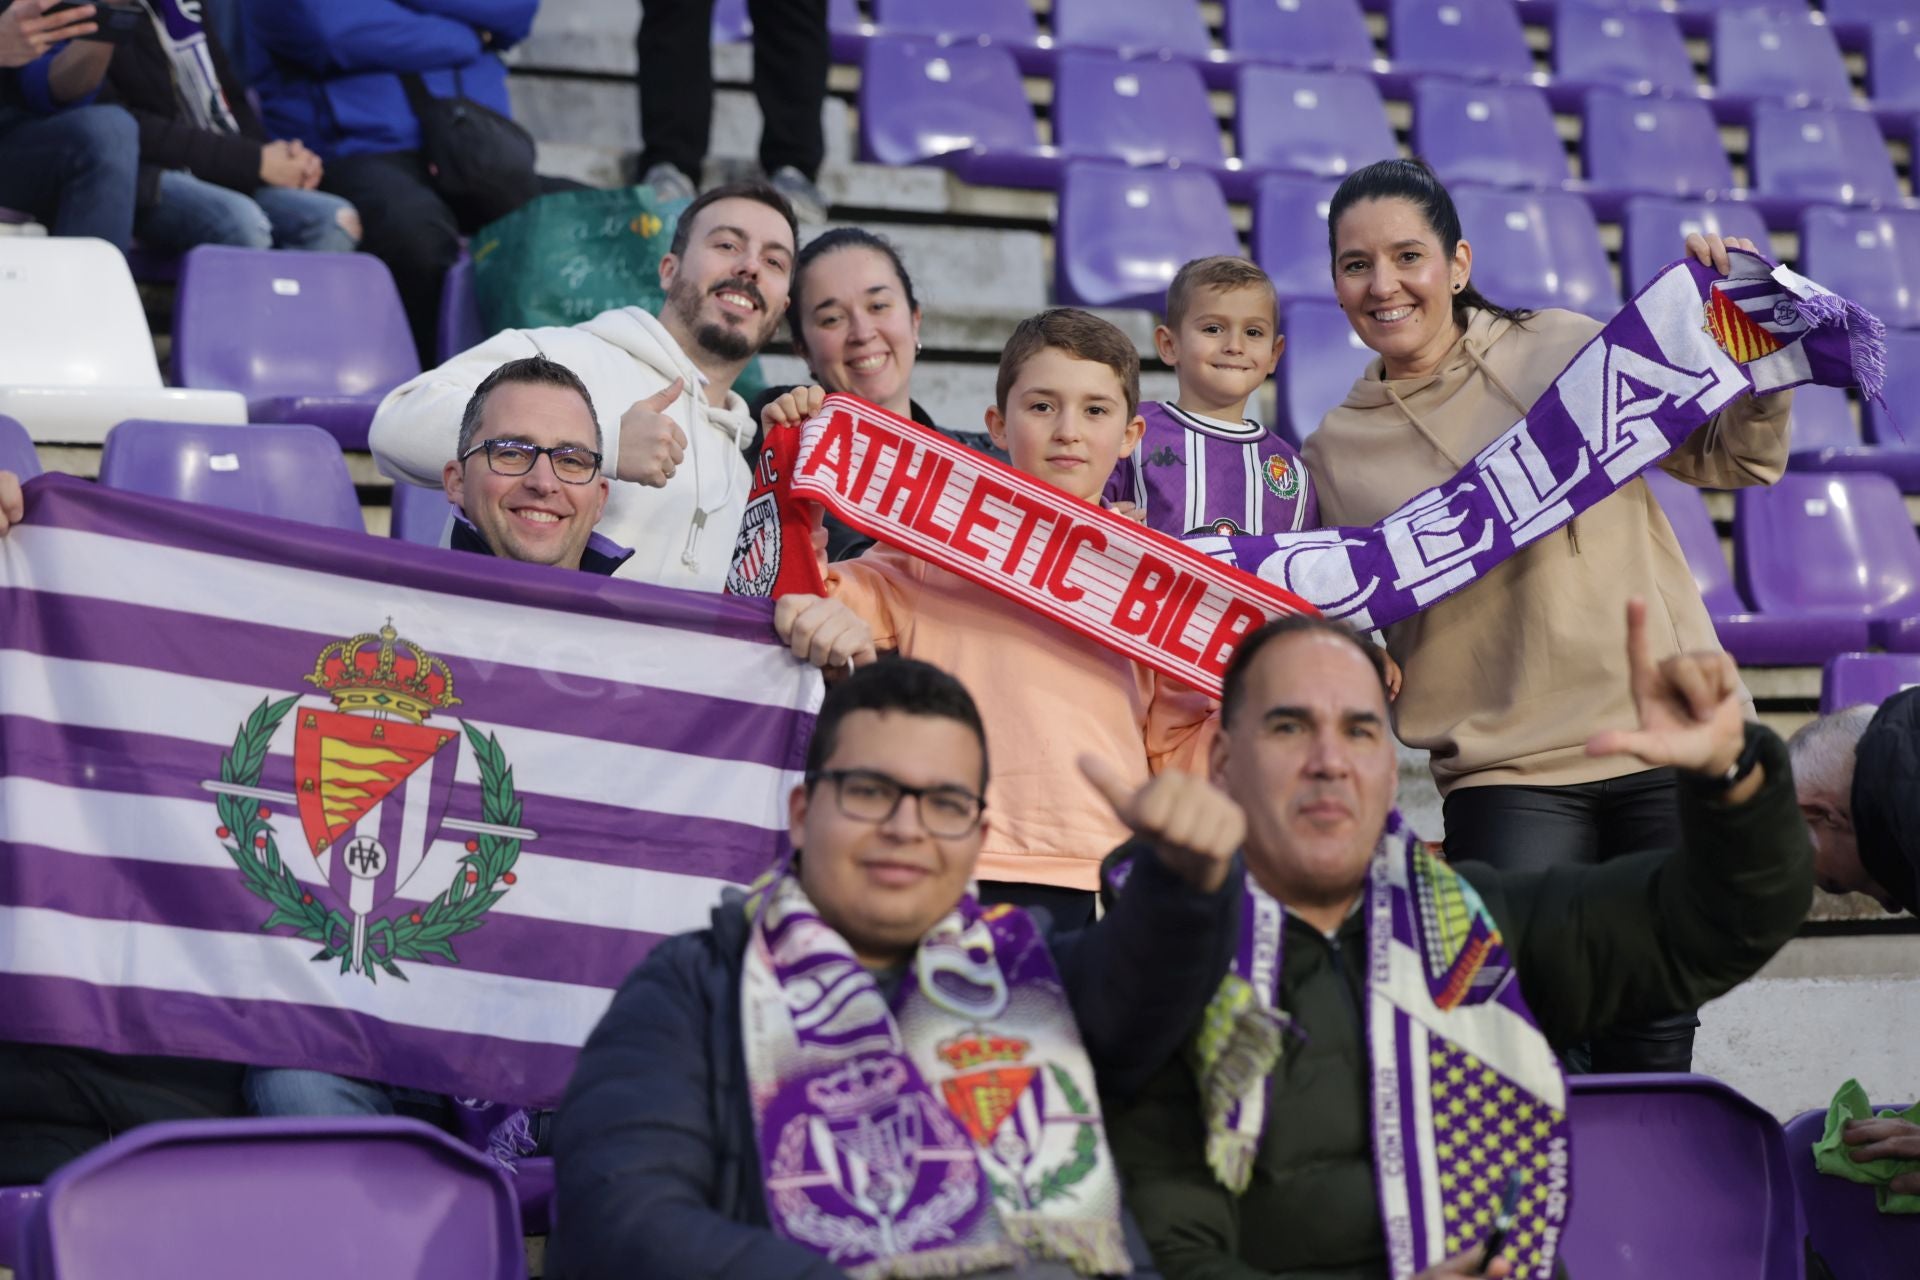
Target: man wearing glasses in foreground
{"x":857,"y":1069}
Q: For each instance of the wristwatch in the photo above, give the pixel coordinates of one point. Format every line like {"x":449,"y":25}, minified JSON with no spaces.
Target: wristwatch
{"x":1737,"y":772}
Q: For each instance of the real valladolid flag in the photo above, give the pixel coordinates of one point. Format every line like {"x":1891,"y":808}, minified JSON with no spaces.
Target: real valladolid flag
{"x":286,"y":796}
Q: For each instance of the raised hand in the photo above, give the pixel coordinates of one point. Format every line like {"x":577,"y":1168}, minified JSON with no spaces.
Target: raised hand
{"x":13,"y":506}
{"x":1689,"y":707}
{"x":25,"y":33}
{"x":652,"y":445}
{"x":793,"y":408}
{"x":1195,"y":828}
{"x":1711,"y":250}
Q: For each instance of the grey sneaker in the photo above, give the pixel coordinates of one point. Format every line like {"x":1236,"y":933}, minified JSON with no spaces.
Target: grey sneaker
{"x":808,"y":204}
{"x":667,"y":183}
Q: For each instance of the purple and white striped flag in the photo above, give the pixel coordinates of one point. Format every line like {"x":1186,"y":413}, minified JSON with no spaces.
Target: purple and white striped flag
{"x":286,"y":796}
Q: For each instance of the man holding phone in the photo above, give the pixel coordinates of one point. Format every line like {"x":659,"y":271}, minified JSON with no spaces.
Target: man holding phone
{"x":69,"y":162}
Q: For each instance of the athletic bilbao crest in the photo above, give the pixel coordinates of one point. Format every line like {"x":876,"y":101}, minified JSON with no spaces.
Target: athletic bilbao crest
{"x":756,"y":551}
{"x":372,"y":790}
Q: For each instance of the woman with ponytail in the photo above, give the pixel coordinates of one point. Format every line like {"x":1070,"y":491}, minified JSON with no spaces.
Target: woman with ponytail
{"x":1505,"y":681}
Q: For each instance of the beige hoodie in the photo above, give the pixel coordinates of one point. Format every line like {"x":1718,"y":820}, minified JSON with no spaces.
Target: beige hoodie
{"x":1505,"y":681}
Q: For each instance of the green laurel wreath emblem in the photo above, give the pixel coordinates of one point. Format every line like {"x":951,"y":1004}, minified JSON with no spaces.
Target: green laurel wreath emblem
{"x":481,"y":880}
{"x":1062,"y":1178}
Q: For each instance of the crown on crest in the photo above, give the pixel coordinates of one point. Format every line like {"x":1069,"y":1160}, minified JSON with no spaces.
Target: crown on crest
{"x":861,"y":1085}
{"x":383,"y":673}
{"x":970,"y":1050}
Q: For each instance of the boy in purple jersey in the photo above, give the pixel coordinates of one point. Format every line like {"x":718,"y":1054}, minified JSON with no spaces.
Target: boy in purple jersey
{"x":1203,"y":466}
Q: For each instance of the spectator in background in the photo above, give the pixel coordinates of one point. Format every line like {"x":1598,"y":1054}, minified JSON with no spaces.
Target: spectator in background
{"x":208,"y":174}
{"x":1857,"y":772}
{"x":674,"y":424}
{"x":856,"y":322}
{"x":330,"y":73}
{"x":65,"y":160}
{"x":790,"y":56}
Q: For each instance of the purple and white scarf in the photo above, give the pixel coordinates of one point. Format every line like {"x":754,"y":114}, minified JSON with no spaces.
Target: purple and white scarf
{"x":952,"y":1131}
{"x":1684,"y":348}
{"x":183,"y":35}
{"x":1465,"y":1092}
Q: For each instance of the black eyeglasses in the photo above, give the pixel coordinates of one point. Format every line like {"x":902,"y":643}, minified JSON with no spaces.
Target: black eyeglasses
{"x":571,"y":463}
{"x":866,"y":796}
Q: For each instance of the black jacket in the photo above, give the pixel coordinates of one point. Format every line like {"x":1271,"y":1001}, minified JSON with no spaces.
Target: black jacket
{"x":659,"y":1171}
{"x":140,"y":78}
{"x":1886,"y":797}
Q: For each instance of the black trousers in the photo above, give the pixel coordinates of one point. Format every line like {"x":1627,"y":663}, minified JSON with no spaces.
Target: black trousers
{"x":1533,"y":828}
{"x":790,"y":58}
{"x":408,"y":225}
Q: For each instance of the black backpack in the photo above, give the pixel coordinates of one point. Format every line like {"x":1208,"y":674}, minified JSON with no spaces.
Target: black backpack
{"x":481,"y":162}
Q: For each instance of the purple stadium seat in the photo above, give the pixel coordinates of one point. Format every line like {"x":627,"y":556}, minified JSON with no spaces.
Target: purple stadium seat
{"x":1290,"y":235}
{"x":1323,"y":357}
{"x":1654,"y":231}
{"x":1872,"y":257}
{"x":1826,"y":438}
{"x":1007,"y":23}
{"x":1780,"y":56}
{"x":461,"y":326}
{"x":297,"y":1199}
{"x":1753,"y":639}
{"x":960,"y":106}
{"x":420,"y":514}
{"x":16,"y":450}
{"x":1893,"y":65}
{"x":1477,"y":39}
{"x":730,"y":22}
{"x":1123,"y":232}
{"x":1144,"y":112}
{"x":1848,"y":680}
{"x":1501,"y":136}
{"x":1650,"y":146}
{"x":1809,"y":155}
{"x":1640,"y":50}
{"x":1324,"y":123}
{"x":1537,"y":249}
{"x":1845,"y":1228}
{"x":287,"y":470}
{"x":16,"y":1203}
{"x":1832,"y":546}
{"x":847,"y":30}
{"x":1677,"y":1175}
{"x":1299,"y":33}
{"x":1151,"y":27}
{"x":1895,"y":425}
{"x":1853,"y":20}
{"x":306,"y":337}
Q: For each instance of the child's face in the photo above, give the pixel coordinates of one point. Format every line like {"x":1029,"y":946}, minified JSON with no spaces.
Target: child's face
{"x":1066,"y":422}
{"x":1225,"y":347}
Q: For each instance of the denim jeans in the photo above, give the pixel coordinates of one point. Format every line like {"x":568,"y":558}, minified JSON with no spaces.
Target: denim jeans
{"x":74,"y":170}
{"x":191,"y":211}
{"x":293,"y":1091}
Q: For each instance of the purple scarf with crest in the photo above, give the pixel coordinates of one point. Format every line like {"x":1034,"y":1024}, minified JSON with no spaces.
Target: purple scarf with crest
{"x":953,"y":1129}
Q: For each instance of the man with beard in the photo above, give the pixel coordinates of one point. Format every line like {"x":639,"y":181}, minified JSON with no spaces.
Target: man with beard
{"x":726,"y":276}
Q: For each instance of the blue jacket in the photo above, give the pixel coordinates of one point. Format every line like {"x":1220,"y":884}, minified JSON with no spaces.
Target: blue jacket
{"x":328,"y":71}
{"x":659,"y":1171}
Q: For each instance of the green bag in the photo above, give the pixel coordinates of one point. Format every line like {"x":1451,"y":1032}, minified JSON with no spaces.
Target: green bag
{"x":570,"y":255}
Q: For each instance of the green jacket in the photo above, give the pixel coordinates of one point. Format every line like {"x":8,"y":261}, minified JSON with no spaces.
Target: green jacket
{"x":1629,"y":940}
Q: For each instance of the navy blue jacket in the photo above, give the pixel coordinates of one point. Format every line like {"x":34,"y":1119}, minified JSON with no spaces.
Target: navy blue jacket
{"x":659,"y":1172}
{"x":328,"y":71}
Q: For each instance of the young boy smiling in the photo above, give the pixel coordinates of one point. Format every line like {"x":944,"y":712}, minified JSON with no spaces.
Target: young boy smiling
{"x":1201,"y":465}
{"x":1066,"y":411}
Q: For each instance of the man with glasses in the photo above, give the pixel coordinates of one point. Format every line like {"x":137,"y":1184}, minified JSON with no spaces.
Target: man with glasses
{"x":858,"y":1069}
{"x":526,"y":478}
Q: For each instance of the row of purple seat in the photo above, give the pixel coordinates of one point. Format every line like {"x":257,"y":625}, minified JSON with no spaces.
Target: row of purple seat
{"x":1760,"y":50}
{"x":1733,"y":1193}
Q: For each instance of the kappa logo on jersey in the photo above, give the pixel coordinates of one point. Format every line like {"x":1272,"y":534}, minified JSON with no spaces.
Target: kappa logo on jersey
{"x":1164,"y":456}
{"x":1282,"y":476}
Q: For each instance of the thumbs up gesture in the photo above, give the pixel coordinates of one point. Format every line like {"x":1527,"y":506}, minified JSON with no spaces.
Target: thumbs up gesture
{"x":1194,"y":827}
{"x":652,"y":445}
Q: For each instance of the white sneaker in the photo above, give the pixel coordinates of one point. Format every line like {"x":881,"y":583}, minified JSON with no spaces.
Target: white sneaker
{"x":667,"y":183}
{"x":808,"y":204}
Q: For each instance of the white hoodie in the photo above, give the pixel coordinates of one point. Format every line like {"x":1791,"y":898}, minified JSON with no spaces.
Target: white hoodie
{"x":622,"y":356}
